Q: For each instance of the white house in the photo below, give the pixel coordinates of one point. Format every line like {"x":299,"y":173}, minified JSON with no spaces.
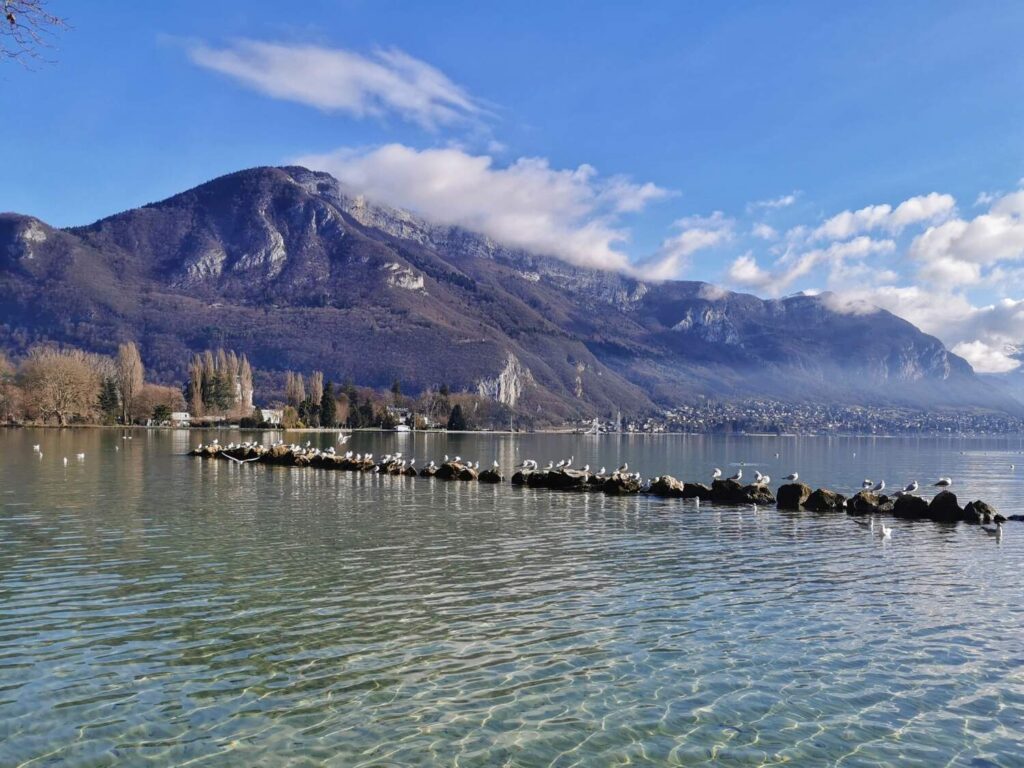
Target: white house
{"x":180,"y":418}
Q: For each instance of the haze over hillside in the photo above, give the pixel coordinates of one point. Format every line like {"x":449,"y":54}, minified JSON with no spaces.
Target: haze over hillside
{"x":285,"y":265}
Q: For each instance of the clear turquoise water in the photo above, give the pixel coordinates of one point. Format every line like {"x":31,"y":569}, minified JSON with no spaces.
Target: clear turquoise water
{"x":161,"y":610}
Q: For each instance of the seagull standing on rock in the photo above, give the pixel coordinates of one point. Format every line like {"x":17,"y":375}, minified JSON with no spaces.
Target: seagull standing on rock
{"x":716,"y":474}
{"x":738,"y":476}
{"x":792,"y":477}
{"x":944,"y":482}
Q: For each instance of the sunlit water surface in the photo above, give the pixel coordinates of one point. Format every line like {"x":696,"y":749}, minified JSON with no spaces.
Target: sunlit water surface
{"x":162,"y":610}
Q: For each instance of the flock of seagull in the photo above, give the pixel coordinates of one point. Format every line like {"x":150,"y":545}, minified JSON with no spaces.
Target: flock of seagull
{"x":396,"y":463}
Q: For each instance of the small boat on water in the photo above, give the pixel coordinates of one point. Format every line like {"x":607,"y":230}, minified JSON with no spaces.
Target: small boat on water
{"x":402,"y":428}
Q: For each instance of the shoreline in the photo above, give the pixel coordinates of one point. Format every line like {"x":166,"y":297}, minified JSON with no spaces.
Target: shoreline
{"x":561,"y":432}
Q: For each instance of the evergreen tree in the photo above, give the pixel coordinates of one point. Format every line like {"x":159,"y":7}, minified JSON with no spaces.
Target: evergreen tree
{"x":109,"y":403}
{"x":328,"y":407}
{"x":396,"y":392}
{"x":456,"y":421}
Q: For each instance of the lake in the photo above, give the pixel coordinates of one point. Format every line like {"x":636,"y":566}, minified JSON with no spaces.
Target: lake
{"x":157,"y":609}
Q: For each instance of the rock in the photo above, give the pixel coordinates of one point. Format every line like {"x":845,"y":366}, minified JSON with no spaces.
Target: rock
{"x":696,"y":491}
{"x":731,"y":492}
{"x":448,"y":471}
{"x":409,"y":472}
{"x":824,"y":500}
{"x":759,"y":494}
{"x":793,"y":495}
{"x":1016,"y":518}
{"x":618,"y":485}
{"x":727,"y":492}
{"x":997,"y":518}
{"x":979,"y":512}
{"x":538,"y":479}
{"x":868,"y":503}
{"x":667,"y":486}
{"x":490,"y":476}
{"x":567,"y":479}
{"x":520,"y":477}
{"x":467,"y":474}
{"x":944,"y":508}
{"x":908,"y":506}
{"x":428,"y":471}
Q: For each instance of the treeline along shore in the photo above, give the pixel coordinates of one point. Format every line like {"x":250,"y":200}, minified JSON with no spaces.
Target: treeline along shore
{"x":943,"y":507}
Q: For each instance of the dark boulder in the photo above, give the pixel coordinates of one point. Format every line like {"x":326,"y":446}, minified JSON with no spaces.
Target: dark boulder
{"x":759,"y":494}
{"x":944,"y":508}
{"x":618,"y":485}
{"x":793,"y":495}
{"x":979,"y":512}
{"x":538,"y":479}
{"x":520,"y":477}
{"x":467,"y":474}
{"x":667,"y":487}
{"x":567,"y":479}
{"x":490,"y":476}
{"x":696,"y":491}
{"x":727,"y":492}
{"x":428,"y":471}
{"x":824,"y":500}
{"x":868,"y":503}
{"x":449,"y":471}
{"x":913,"y":507}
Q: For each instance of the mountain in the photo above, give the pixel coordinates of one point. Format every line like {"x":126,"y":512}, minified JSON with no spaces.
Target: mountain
{"x":291,"y":268}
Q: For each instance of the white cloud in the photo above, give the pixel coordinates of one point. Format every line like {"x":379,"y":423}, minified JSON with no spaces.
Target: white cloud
{"x":695,"y":233}
{"x":334,"y":79}
{"x":783,"y":201}
{"x":956,"y":251}
{"x":986,"y":358}
{"x":572,"y":214}
{"x":914,"y":210}
{"x":745,"y":271}
{"x":795,"y":264}
{"x":764,"y":232}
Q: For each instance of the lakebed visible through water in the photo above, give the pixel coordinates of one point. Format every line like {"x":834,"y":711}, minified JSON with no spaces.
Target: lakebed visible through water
{"x":158,"y":609}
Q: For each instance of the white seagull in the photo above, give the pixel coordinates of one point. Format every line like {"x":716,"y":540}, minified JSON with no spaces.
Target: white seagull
{"x":716,"y":474}
{"x":792,"y":477}
{"x":880,"y":486}
{"x":911,"y":488}
{"x":944,"y":482}
{"x":738,"y":476}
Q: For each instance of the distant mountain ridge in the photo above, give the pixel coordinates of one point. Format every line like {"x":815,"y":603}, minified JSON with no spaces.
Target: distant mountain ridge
{"x":291,"y":268}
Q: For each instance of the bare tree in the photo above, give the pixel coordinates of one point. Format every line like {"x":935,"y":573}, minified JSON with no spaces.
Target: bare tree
{"x":26,"y":27}
{"x":130,"y":376}
{"x":245,"y":403}
{"x":10,"y":395}
{"x":60,"y":384}
{"x":316,"y":387}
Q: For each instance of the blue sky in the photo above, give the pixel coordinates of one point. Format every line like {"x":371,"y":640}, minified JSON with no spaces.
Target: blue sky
{"x":875,"y":150}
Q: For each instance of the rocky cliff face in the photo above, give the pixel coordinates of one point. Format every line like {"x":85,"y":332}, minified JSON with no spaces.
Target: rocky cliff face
{"x":288,"y":266}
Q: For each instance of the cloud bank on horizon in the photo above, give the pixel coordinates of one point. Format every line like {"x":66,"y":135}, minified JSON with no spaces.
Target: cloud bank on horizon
{"x":920,"y":258}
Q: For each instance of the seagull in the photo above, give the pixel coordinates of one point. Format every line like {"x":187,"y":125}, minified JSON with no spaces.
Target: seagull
{"x":865,"y":484}
{"x":792,"y":477}
{"x":716,"y":474}
{"x":765,"y":479}
{"x":997,"y":531}
{"x":494,"y":465}
{"x":586,"y":467}
{"x":944,"y":482}
{"x":601,"y":472}
{"x":886,"y":531}
{"x":738,"y":476}
{"x":879,"y":487}
{"x":240,"y":461}
{"x":550,"y":466}
{"x":623,"y":468}
{"x":757,"y":477}
{"x":80,"y":456}
{"x":343,"y":438}
{"x":560,"y":464}
{"x":36,"y":448}
{"x":911,"y":488}
{"x":65,"y":461}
